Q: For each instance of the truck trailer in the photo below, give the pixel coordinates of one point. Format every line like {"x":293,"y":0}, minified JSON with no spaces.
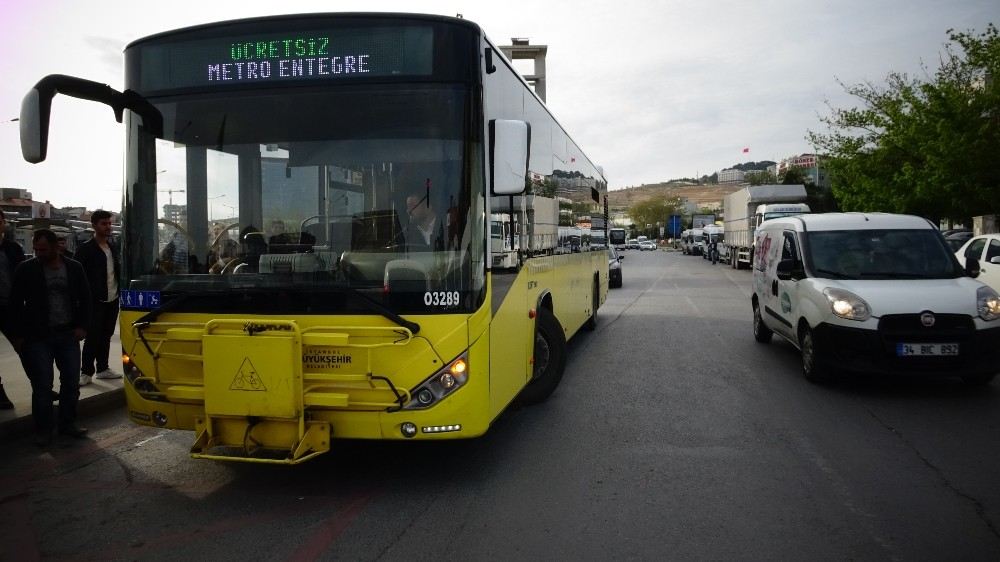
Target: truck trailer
{"x":746,"y":208}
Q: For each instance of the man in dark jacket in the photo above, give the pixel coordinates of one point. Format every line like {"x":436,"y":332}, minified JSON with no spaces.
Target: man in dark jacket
{"x":11,"y":255}
{"x":99,"y":259}
{"x":51,"y":302}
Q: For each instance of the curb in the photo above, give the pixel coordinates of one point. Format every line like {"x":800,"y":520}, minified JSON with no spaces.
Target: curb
{"x":90,"y":406}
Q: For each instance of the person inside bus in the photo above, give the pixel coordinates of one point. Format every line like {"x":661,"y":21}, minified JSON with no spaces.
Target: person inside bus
{"x":425,"y":231}
{"x":279,"y":235}
{"x":223,"y":250}
{"x":176,"y":257}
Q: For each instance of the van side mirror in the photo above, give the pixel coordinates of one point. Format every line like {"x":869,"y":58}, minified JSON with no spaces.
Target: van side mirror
{"x":510,"y":142}
{"x":784,"y":269}
{"x":972,"y":268}
{"x":995,"y":259}
{"x":790,"y":270}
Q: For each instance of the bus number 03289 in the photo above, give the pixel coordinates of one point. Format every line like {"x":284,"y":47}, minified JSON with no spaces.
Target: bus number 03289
{"x":441,"y":298}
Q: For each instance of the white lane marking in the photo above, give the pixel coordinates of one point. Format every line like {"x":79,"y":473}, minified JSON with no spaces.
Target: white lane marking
{"x":153,"y":438}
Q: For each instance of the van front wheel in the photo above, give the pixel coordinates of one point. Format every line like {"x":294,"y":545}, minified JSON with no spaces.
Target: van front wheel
{"x":761,"y":333}
{"x":813,"y":366}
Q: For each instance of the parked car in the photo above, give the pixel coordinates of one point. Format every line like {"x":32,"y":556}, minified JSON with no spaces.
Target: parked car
{"x":875,"y":293}
{"x":984,"y":249}
{"x":614,"y":269}
{"x":647,"y":245}
{"x":955,"y":240}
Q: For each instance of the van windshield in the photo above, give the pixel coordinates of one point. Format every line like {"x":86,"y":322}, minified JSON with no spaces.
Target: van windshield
{"x":880,"y":254}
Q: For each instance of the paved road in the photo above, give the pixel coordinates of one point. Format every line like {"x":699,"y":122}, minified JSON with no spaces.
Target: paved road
{"x":673,"y":436}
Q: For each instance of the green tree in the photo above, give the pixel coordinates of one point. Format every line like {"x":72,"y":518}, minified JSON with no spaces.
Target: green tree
{"x":793,"y":176}
{"x":652,"y":211}
{"x":922,"y":146}
{"x":762,"y":178}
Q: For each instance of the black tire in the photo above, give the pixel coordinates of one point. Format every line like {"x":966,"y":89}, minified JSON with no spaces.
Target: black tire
{"x":761,"y":332}
{"x":978,"y":380}
{"x":615,"y":282}
{"x":814,"y":368}
{"x":549,"y":359}
{"x":595,"y":302}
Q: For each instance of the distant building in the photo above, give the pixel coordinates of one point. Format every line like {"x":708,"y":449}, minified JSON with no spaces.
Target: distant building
{"x":175,"y":213}
{"x":75,"y":213}
{"x":810,"y":164}
{"x":731,"y":175}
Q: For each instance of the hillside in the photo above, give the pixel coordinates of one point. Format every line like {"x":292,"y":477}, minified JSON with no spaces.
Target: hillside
{"x":709,"y":195}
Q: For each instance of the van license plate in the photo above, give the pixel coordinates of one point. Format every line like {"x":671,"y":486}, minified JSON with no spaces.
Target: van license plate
{"x":926,"y":349}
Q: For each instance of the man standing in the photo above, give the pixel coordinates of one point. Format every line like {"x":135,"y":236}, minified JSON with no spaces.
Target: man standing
{"x":11,"y":255}
{"x":99,"y":259}
{"x":51,"y":301}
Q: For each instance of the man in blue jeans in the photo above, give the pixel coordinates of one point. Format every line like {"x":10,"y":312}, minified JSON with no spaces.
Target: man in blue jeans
{"x":50,"y":301}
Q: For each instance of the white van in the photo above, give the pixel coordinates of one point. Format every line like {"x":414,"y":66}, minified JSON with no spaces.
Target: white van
{"x":712,"y":233}
{"x":873,"y":293}
{"x":692,"y":243}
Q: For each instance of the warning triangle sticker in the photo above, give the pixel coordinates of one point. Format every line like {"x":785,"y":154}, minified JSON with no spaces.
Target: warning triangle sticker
{"x":247,"y":378}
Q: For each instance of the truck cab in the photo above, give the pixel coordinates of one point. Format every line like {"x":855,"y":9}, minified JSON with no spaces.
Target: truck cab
{"x":778,"y":210}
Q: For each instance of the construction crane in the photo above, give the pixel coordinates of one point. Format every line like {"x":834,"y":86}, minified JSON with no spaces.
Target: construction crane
{"x":170,"y":193}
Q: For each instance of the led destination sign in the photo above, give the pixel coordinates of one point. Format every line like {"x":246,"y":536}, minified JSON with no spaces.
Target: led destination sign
{"x":324,"y":55}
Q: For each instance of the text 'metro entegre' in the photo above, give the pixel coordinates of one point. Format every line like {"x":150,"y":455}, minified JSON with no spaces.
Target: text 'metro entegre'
{"x":302,"y":57}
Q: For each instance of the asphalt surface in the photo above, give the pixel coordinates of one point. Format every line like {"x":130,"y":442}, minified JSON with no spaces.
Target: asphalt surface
{"x":674,"y":435}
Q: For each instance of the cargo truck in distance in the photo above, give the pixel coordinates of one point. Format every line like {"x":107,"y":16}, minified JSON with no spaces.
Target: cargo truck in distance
{"x":747,"y":208}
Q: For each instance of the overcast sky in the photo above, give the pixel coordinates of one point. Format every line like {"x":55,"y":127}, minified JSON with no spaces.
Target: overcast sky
{"x":649,"y":90}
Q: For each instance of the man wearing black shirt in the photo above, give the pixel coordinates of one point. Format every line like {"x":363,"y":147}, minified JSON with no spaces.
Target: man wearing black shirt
{"x":51,"y":300}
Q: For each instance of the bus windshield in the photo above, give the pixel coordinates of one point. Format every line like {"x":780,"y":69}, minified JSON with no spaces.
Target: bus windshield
{"x":294,"y":191}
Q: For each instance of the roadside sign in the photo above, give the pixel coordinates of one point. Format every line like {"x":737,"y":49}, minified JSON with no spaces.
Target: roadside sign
{"x":675,"y":226}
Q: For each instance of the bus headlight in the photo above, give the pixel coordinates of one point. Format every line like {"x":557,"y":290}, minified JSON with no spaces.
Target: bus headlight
{"x":987,"y":303}
{"x":440,"y":384}
{"x":847,"y":305}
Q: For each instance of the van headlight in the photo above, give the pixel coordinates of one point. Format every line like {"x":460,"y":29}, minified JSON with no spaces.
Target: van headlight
{"x":987,"y":303}
{"x":846,"y":304}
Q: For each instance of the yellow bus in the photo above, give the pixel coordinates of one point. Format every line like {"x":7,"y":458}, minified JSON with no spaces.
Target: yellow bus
{"x":307,"y":237}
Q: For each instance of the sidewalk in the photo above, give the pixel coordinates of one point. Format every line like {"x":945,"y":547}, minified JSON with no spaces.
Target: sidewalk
{"x":98,"y":396}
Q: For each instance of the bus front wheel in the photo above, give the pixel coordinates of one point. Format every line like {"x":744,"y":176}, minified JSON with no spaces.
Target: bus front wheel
{"x":549,"y":359}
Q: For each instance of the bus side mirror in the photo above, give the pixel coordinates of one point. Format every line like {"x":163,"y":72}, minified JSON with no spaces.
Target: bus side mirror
{"x":509,"y":145}
{"x":34,"y":121}
{"x":37,"y":107}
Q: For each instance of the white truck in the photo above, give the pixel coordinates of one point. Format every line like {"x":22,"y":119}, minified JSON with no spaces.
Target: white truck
{"x":746,"y":208}
{"x":541,"y":236}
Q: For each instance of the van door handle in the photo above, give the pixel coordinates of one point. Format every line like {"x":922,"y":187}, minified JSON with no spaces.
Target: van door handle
{"x":774,"y":287}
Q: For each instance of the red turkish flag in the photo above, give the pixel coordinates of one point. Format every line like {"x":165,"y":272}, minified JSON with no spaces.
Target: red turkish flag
{"x":746,"y":149}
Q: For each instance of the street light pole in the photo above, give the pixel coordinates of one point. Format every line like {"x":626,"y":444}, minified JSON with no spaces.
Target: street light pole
{"x":211,"y":206}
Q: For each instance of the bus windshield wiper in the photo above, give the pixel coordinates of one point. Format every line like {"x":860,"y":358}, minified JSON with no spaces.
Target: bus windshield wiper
{"x":376,"y":306}
{"x":166,"y":307}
